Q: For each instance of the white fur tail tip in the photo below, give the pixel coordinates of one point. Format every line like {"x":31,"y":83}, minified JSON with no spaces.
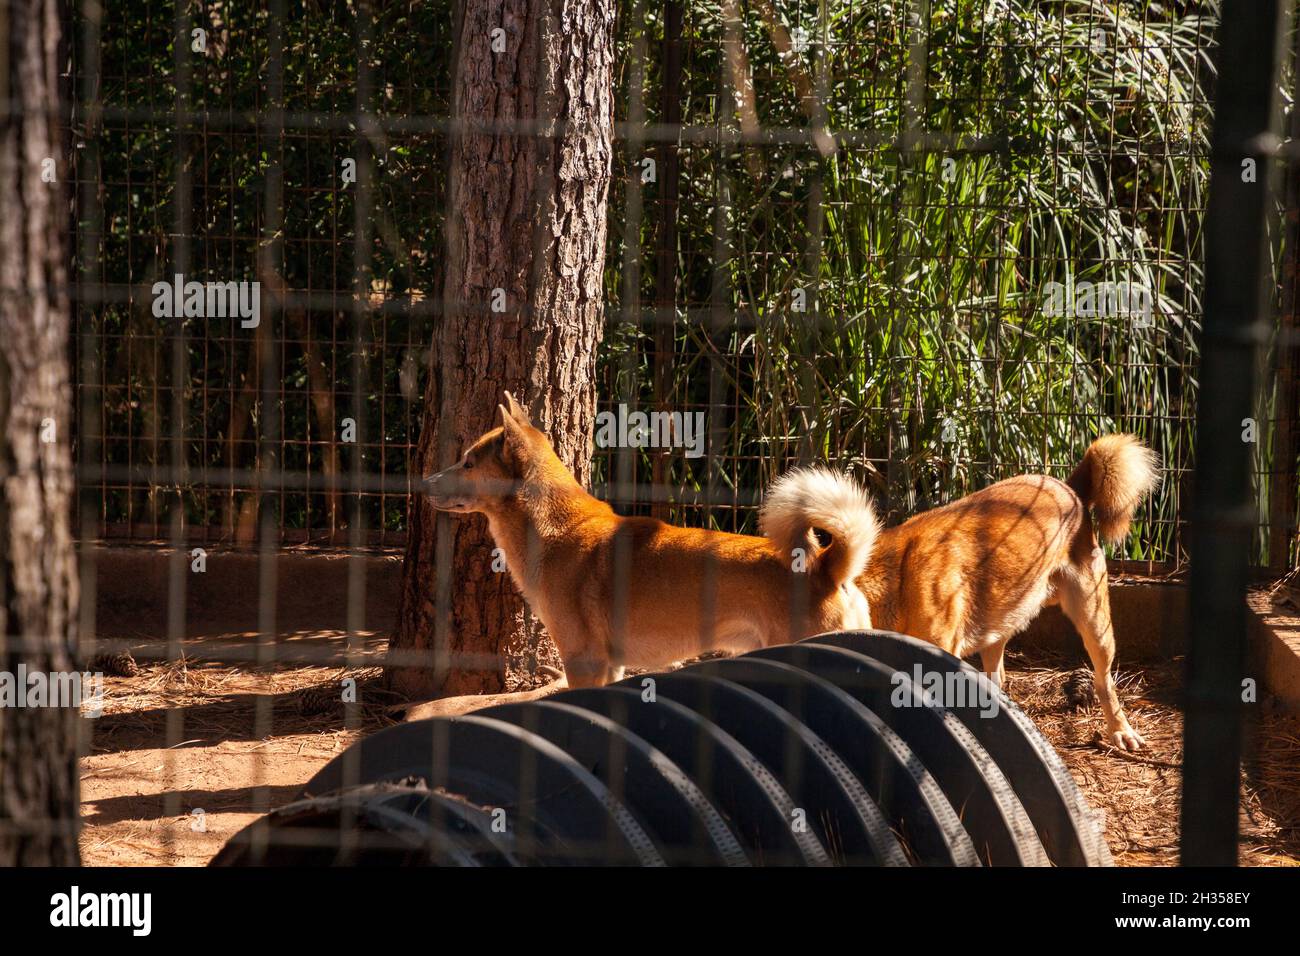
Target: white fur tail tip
{"x":1116,"y":473}
{"x":826,"y":514}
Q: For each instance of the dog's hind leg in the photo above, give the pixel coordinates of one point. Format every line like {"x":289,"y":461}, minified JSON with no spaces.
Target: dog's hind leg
{"x":1085,"y":600}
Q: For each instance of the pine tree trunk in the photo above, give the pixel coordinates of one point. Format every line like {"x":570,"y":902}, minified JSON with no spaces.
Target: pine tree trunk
{"x":38,"y":573}
{"x":526,"y":216}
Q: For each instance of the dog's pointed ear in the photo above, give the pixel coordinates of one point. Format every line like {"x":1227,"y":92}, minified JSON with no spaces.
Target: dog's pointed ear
{"x":510,"y":426}
{"x":517,"y":411}
{"x":514,"y":440}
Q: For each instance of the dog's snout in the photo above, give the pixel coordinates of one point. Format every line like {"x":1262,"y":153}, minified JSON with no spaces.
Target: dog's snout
{"x":437,"y":479}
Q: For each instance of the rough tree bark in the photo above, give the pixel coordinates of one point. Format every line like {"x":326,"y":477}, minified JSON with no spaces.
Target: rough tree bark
{"x":529,"y":178}
{"x":38,"y":575}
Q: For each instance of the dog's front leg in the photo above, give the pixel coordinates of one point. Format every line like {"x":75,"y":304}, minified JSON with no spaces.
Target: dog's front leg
{"x":589,"y":665}
{"x":588,"y":671}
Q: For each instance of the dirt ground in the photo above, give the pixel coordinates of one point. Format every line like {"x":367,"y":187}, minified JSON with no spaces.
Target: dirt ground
{"x":1140,"y":793}
{"x":189,"y":752}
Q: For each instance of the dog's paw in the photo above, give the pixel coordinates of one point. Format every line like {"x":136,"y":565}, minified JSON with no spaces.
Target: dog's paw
{"x":1126,"y":738}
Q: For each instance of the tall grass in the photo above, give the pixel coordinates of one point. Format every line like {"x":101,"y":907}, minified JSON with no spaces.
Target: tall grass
{"x":995,"y":148}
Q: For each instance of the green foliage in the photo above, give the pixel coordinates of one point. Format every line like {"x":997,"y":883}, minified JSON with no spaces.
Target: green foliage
{"x":1020,"y":144}
{"x":257,"y":203}
{"x":999,"y":146}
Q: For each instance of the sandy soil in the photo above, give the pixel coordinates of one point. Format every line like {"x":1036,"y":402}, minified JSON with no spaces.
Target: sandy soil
{"x":1141,"y":793}
{"x":188,"y":753}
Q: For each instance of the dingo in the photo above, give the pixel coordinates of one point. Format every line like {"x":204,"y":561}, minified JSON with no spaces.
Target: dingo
{"x":615,"y":591}
{"x":972,"y":574}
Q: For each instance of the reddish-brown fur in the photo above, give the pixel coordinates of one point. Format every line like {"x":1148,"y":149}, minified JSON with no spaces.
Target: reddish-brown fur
{"x":972,"y":574}
{"x":615,"y":591}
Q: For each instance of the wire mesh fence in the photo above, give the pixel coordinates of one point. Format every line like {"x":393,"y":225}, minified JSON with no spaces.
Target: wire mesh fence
{"x":192,"y":168}
{"x":940,"y":244}
{"x":937,"y":243}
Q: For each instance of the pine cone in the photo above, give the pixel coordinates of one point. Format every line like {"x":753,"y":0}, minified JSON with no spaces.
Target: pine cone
{"x":320,"y":700}
{"x":120,"y":664}
{"x":1078,"y":689}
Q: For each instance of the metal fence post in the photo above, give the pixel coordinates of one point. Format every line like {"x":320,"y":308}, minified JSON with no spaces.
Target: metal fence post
{"x":1223,"y":514}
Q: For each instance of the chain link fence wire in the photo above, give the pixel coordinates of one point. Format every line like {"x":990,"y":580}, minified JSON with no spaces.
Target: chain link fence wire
{"x":936,"y":243}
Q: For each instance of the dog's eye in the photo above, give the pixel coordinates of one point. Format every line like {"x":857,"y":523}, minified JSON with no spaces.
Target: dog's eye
{"x":469,"y":463}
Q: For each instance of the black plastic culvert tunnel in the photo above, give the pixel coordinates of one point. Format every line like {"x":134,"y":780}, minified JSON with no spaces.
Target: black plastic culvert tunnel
{"x":819,"y":753}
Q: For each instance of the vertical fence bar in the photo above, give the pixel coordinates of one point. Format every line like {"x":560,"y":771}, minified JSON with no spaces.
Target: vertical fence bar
{"x":1282,"y":487}
{"x":625,"y":462}
{"x":88,"y":221}
{"x":665,"y":309}
{"x":181,"y":260}
{"x":368,"y":138}
{"x":267,"y":480}
{"x":1223,"y":515}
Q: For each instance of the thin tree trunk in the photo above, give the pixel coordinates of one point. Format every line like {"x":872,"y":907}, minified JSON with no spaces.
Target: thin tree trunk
{"x":526,"y":216}
{"x":38,"y":575}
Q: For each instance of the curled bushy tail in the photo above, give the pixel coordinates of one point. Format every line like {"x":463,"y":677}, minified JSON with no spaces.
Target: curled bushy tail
{"x":1116,"y":473}
{"x":825,"y":513}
